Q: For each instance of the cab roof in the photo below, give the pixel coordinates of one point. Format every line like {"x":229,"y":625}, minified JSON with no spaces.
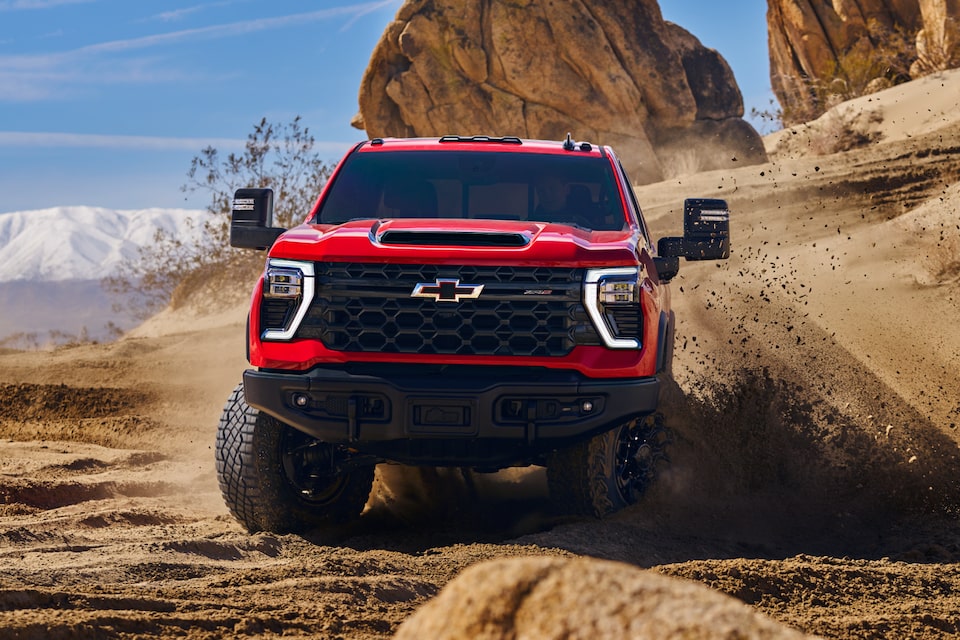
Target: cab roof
{"x":484,"y":143}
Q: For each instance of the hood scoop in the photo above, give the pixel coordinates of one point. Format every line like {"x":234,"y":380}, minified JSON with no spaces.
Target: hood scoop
{"x":454,"y":238}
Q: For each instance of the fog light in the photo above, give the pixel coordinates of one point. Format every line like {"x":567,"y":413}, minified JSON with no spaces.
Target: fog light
{"x":300,"y":399}
{"x":586,"y":406}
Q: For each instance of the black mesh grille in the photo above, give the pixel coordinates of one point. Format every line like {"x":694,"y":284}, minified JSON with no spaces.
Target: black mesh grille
{"x":522,"y":311}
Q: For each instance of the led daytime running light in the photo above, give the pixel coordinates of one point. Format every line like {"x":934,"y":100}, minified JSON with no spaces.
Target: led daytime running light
{"x":293,"y":269}
{"x":597,"y":291}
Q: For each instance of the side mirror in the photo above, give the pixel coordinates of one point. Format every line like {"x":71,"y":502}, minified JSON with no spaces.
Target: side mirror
{"x":251,"y":220}
{"x":706,"y":233}
{"x":667,"y":267}
{"x":706,"y":229}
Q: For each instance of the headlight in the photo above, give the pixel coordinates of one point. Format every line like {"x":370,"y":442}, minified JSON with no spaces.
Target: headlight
{"x":612,"y":298}
{"x":283,"y":283}
{"x":619,"y":289}
{"x":288,"y":287}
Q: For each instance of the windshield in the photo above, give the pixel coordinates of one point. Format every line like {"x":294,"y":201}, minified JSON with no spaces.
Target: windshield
{"x":475,"y":185}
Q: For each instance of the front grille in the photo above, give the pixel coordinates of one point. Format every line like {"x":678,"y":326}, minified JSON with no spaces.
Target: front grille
{"x":522,"y":311}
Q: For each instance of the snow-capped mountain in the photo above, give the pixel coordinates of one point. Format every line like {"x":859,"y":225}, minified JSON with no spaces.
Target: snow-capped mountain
{"x":82,"y":243}
{"x":52,"y":262}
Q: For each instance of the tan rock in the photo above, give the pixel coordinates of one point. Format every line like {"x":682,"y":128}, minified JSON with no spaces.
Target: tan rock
{"x":938,"y":42}
{"x":610,"y":73}
{"x":582,"y":598}
{"x":810,"y":40}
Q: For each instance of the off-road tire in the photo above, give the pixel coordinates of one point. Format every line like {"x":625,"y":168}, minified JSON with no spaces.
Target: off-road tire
{"x":610,"y":471}
{"x":255,"y":486}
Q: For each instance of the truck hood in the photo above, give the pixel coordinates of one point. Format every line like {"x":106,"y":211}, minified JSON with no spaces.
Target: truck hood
{"x":454,"y":241}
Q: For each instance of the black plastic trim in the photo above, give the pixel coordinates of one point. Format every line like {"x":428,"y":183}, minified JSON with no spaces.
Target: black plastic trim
{"x":665,"y":342}
{"x":504,"y":420}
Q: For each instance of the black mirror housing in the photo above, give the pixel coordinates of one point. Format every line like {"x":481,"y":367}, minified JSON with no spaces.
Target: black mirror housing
{"x":670,"y":247}
{"x":251,"y":220}
{"x":706,"y":229}
{"x":667,"y":267}
{"x":706,"y":236}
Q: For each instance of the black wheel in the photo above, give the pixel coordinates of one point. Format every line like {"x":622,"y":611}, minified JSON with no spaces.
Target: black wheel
{"x":610,"y":471}
{"x":275,"y":478}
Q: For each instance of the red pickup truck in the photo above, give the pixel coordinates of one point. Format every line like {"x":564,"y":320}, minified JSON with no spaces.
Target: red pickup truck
{"x":473,"y":302}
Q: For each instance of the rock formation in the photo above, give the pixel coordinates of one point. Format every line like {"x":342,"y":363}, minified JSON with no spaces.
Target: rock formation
{"x":938,"y":42}
{"x":839,"y":49}
{"x":554,"y":598}
{"x":608,"y":72}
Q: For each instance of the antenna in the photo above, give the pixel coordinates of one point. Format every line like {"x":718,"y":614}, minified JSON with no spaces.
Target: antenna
{"x":568,"y":143}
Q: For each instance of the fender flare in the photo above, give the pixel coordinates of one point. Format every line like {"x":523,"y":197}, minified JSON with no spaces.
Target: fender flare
{"x":665,"y":334}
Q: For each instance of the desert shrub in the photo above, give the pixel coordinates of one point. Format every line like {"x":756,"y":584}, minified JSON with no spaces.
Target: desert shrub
{"x":279,"y":157}
{"x":275,"y":157}
{"x":938,"y":46}
{"x":880,"y":58}
{"x":771,"y":118}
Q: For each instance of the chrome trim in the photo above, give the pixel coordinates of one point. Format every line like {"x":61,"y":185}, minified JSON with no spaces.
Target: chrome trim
{"x":306,"y":268}
{"x":591,"y":302}
{"x":714,"y":215}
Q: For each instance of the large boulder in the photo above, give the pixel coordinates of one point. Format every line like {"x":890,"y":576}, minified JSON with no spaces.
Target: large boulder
{"x":608,"y":72}
{"x":823,"y":51}
{"x":582,"y":598}
{"x":938,"y":42}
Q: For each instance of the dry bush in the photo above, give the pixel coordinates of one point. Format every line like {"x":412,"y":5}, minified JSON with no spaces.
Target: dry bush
{"x":938,"y":45}
{"x":772,"y":118}
{"x":881,"y":58}
{"x":215,"y":287}
{"x":279,"y":157}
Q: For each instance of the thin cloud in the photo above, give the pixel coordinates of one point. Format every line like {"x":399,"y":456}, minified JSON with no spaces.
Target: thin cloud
{"x":28,"y":5}
{"x":68,"y":81}
{"x":22,"y":139}
{"x":33,"y":77}
{"x":179,"y":14}
{"x":227,"y":30}
{"x":369,"y":9}
{"x":97,"y":141}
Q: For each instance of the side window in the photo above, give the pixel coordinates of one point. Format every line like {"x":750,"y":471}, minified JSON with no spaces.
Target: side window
{"x":632,"y":201}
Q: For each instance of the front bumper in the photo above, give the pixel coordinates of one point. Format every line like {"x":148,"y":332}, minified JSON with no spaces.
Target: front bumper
{"x":450,"y":416}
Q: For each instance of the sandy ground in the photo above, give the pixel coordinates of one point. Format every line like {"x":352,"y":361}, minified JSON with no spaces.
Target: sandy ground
{"x":816,"y":465}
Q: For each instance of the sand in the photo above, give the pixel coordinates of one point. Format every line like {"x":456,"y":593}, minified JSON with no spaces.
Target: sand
{"x":816,"y":464}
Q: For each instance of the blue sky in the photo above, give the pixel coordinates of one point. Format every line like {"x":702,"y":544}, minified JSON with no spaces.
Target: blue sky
{"x":105,"y":102}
